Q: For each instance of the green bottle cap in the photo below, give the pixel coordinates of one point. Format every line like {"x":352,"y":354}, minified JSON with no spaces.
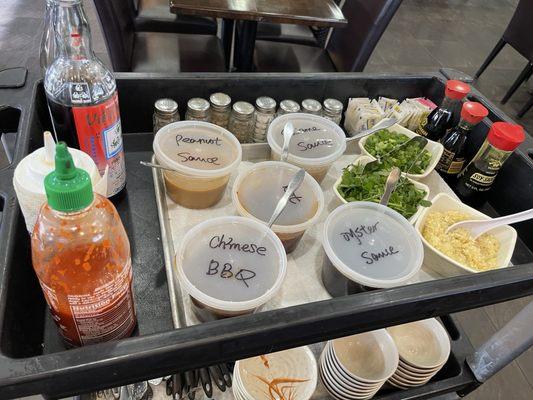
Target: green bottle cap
{"x":67,"y":188}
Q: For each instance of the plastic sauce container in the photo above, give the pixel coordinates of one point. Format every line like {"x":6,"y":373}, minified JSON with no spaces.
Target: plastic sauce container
{"x":368,"y":245}
{"x":230,"y":266}
{"x":256,"y":193}
{"x":316,"y":144}
{"x":203,"y":155}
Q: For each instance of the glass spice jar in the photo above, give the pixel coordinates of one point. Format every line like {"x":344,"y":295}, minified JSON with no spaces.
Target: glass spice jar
{"x":165,"y":112}
{"x":197,"y":110}
{"x":288,"y":107}
{"x":220,"y":109}
{"x":265,"y":109}
{"x":311,"y":106}
{"x":333,"y":110}
{"x":241,"y":122}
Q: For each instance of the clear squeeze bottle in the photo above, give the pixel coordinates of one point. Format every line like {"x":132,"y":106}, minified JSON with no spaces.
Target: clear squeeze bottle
{"x":82,"y":96}
{"x":81,"y":255}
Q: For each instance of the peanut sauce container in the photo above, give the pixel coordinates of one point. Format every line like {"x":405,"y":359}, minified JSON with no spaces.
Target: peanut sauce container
{"x":256,"y":193}
{"x":315,"y":145}
{"x":202,"y":156}
{"x":230,"y":266}
{"x":368,"y":246}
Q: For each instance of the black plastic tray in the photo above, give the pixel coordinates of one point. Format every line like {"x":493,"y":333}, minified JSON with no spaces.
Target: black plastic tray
{"x":33,"y":359}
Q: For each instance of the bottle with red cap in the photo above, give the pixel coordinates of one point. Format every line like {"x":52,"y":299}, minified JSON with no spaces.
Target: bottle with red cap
{"x":453,"y":156}
{"x":477,"y":178}
{"x":444,"y":117}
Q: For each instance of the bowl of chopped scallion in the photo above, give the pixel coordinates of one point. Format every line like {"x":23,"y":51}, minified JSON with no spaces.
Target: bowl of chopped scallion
{"x":409,"y":198}
{"x":384,"y":141}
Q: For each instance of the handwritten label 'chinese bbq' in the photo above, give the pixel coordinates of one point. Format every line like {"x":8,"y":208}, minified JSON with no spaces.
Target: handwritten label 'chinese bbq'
{"x":225,"y":271}
{"x":221,"y":242}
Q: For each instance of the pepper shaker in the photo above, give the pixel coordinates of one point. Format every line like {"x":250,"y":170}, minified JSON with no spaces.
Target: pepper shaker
{"x":220,"y":109}
{"x":265,"y":109}
{"x":241,"y":122}
{"x":165,"y":112}
{"x":288,"y":107}
{"x":333,"y":110}
{"x":311,"y":106}
{"x":197,"y":110}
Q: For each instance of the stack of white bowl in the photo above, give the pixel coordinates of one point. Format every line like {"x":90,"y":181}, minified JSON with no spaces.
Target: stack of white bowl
{"x":290,"y":374}
{"x":356,"y":367}
{"x":424,"y":347}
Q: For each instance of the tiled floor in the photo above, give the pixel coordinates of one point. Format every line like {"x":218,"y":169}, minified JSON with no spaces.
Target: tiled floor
{"x":424,"y":35}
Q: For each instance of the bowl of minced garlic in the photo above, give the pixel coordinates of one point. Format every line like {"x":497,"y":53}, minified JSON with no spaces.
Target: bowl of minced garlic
{"x":457,"y":252}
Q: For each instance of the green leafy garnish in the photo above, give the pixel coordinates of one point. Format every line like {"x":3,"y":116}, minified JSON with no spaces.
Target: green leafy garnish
{"x":383,"y":141}
{"x":359,"y":185}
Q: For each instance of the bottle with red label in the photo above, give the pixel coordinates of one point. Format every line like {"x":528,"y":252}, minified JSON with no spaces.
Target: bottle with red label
{"x":447,"y":115}
{"x":81,"y":255}
{"x":82,"y":96}
{"x":453,"y":156}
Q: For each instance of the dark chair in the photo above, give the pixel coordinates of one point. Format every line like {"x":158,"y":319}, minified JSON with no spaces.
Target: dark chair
{"x":348,"y":49}
{"x":155,"y":16}
{"x":519,"y":36}
{"x":135,"y":51}
{"x":526,"y":107}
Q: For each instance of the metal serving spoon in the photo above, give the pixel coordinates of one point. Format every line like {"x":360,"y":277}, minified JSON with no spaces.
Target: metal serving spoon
{"x":151,"y":165}
{"x":288,"y":131}
{"x":383,"y":124}
{"x":478,"y":228}
{"x":390,"y":185}
{"x":294,"y":184}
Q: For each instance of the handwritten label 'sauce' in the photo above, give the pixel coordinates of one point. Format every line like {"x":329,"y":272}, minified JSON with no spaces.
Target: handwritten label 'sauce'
{"x":188,"y":157}
{"x":371,"y":257}
{"x":220,"y":242}
{"x":185,"y":139}
{"x":225,"y":271}
{"x":302,"y":146}
{"x":359,"y":232}
{"x":293,"y":199}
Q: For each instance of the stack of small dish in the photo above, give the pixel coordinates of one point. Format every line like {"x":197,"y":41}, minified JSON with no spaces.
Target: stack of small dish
{"x":356,"y":367}
{"x":290,"y":374}
{"x":423,"y":347}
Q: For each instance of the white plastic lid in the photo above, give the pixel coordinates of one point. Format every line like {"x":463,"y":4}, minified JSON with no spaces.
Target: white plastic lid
{"x":256,"y":193}
{"x":197,"y":149}
{"x":316,"y":140}
{"x":32,"y":170}
{"x":372,"y":244}
{"x":231,"y":263}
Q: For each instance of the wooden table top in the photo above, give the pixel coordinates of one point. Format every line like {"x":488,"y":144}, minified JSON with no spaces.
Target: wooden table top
{"x":324,"y":13}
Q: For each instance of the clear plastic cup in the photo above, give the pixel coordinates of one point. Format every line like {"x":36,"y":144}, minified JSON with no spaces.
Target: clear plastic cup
{"x":316,"y":144}
{"x":230,"y":266}
{"x":203,"y":156}
{"x":256,"y":193}
{"x":371,"y":245}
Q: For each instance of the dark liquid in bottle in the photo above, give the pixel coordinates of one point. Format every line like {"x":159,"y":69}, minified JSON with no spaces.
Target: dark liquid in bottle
{"x":474,"y":183}
{"x":438,"y":122}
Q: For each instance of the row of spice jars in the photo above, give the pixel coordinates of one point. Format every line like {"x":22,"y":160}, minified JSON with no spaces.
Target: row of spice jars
{"x":246,"y":122}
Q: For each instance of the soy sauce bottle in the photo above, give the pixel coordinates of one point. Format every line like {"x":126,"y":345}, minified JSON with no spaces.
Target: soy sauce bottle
{"x":477,"y":178}
{"x":447,"y":115}
{"x":453,"y":156}
{"x":82,"y":96}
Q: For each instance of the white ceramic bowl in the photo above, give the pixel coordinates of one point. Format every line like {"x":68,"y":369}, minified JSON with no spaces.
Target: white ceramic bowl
{"x":446,"y":266}
{"x":434,"y":148}
{"x":365,"y":160}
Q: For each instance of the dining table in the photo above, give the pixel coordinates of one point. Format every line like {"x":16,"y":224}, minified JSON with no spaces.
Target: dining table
{"x":316,"y":13}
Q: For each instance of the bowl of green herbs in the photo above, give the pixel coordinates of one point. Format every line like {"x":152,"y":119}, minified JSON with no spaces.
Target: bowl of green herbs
{"x":408,"y":158}
{"x":409,"y":198}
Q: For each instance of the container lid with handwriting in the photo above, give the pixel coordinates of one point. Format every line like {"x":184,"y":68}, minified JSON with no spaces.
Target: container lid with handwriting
{"x":372,"y":245}
{"x":197,"y":148}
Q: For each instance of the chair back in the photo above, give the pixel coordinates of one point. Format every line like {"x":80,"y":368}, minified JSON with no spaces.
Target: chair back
{"x":117,"y":21}
{"x":518,"y":33}
{"x":351,"y":46}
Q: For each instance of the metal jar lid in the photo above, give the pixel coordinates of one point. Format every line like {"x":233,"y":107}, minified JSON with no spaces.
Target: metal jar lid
{"x":311,"y":105}
{"x":243,"y":108}
{"x":198,"y":104}
{"x":333,"y":106}
{"x":220,"y":100}
{"x":166,"y":106}
{"x":266,"y":104}
{"x":289,"y":106}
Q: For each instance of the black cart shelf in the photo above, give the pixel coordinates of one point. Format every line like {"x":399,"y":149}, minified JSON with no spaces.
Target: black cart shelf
{"x":33,"y":358}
